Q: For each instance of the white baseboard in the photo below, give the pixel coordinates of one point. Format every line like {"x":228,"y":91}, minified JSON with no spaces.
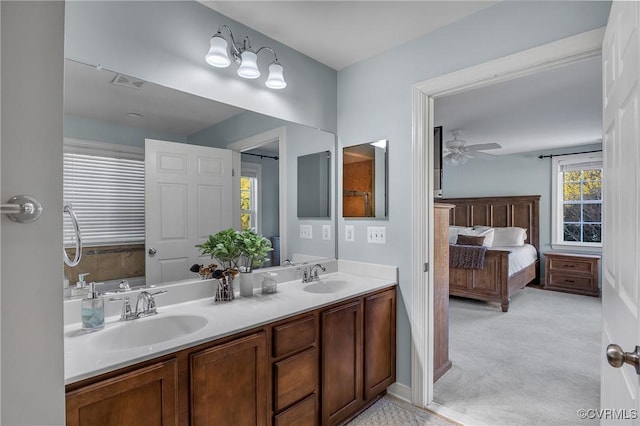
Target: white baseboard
{"x":453,"y":415}
{"x":400,"y":391}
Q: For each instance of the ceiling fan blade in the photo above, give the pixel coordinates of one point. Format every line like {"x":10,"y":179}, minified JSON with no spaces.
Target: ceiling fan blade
{"x":483,"y":146}
{"x":478,"y":154}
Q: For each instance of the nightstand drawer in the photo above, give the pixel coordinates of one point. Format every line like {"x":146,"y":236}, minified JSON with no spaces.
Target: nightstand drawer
{"x":569,"y":281}
{"x":571,"y":265}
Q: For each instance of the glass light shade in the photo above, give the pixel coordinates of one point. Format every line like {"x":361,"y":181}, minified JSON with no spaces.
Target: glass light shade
{"x":249,"y":66}
{"x":276,"y":77}
{"x":217,"y":55}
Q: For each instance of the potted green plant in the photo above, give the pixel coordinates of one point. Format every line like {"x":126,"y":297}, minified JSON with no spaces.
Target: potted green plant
{"x":224,"y":247}
{"x":253,"y":252}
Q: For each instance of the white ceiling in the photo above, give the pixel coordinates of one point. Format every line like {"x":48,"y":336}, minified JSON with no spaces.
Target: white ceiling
{"x":88,"y":93}
{"x":341,"y":33}
{"x":556,"y":108}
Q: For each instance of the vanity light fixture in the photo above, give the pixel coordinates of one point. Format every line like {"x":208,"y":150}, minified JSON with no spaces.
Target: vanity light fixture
{"x":247,"y":59}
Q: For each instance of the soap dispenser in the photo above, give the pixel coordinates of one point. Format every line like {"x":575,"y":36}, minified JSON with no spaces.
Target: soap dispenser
{"x":81,"y":285}
{"x":92,"y":310}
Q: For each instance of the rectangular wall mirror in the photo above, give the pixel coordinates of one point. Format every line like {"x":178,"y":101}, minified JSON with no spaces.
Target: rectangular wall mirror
{"x":314,"y":185}
{"x":365,"y":180}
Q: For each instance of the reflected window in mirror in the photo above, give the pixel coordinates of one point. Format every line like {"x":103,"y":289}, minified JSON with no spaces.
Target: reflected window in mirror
{"x":365,"y":180}
{"x":314,"y":185}
{"x":104,"y":183}
{"x":249,"y":193}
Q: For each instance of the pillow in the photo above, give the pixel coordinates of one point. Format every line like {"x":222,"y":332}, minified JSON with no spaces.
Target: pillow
{"x":509,"y":236}
{"x":453,"y":233}
{"x":470,"y":240}
{"x":485,"y":232}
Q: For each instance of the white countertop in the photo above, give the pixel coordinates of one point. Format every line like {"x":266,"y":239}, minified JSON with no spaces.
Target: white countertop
{"x":84,"y":359}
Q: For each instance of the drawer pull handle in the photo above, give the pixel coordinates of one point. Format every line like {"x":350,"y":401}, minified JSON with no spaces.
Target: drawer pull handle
{"x":569,"y":266}
{"x":569,"y":281}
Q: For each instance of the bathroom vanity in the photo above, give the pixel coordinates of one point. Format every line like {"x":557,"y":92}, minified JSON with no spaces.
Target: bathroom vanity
{"x":299,"y":356}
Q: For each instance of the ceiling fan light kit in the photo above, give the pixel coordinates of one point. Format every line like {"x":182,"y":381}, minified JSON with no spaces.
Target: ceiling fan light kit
{"x":223,"y":50}
{"x":460,"y":152}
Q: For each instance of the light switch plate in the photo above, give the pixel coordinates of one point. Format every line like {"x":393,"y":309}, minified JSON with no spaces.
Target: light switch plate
{"x":349,"y":233}
{"x":326,"y":232}
{"x":376,"y":234}
{"x":306,"y":232}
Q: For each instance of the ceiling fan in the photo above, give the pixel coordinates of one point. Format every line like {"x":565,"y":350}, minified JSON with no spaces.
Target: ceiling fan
{"x":459,"y":152}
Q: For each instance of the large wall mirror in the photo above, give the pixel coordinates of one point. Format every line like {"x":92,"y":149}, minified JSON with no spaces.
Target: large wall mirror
{"x":107,"y":112}
{"x":365,"y":180}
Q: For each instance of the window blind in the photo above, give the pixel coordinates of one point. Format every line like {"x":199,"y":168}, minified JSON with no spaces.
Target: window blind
{"x":107,"y":195}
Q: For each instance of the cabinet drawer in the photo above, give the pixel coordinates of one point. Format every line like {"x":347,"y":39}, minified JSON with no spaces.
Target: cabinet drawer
{"x":293,"y":336}
{"x":570,"y":281}
{"x":294,"y":378}
{"x":303,"y":413}
{"x":572,"y":265}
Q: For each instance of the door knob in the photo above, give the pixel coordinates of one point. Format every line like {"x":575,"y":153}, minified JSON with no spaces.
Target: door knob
{"x":152,"y":251}
{"x":617,"y":357}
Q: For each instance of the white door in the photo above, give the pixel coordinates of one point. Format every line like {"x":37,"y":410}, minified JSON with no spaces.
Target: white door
{"x":188,"y":196}
{"x":621,"y":251}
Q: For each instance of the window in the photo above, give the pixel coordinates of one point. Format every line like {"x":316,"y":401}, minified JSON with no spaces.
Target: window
{"x":577,"y":211}
{"x":249,"y":210}
{"x":104,"y":183}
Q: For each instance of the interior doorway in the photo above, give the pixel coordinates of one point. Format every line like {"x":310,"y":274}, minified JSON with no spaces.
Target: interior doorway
{"x":544,"y":57}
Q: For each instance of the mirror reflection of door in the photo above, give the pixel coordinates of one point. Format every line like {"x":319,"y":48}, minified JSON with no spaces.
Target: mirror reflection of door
{"x":188,"y":193}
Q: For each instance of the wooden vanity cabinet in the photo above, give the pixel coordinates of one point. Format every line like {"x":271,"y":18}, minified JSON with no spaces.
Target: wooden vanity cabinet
{"x":295,"y":371}
{"x":320,"y":367}
{"x":146,"y":396}
{"x":229,"y":383}
{"x":358,"y":355}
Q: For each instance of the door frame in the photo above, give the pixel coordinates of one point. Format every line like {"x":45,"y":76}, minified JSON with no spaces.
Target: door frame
{"x":256,"y":141}
{"x":548,"y":56}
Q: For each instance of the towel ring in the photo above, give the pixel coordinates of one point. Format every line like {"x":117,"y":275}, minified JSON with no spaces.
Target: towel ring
{"x":78,"y":255}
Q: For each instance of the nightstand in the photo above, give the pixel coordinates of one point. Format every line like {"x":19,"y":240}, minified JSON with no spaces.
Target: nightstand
{"x":572,"y":273}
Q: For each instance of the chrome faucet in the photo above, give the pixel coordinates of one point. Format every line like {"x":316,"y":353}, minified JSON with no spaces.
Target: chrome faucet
{"x":145,"y":305}
{"x":287,"y":262}
{"x":312,"y":274}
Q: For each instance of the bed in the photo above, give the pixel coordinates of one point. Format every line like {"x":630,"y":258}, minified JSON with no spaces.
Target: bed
{"x":505,"y":271}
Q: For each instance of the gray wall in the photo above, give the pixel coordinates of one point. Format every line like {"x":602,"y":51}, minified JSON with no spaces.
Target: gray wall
{"x":517,"y":174}
{"x":32,"y":386}
{"x":164,"y":42}
{"x":374,"y":102}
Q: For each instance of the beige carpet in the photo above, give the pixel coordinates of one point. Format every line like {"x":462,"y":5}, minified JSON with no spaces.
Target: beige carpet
{"x":534,"y":365}
{"x":390,"y":411}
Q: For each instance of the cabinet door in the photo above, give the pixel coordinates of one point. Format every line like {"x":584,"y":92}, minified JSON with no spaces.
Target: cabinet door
{"x":379,"y":343}
{"x":147,"y":396}
{"x":341,"y":362}
{"x":229,"y":383}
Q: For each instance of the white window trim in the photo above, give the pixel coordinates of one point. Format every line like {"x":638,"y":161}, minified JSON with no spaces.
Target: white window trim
{"x":255,"y":170}
{"x":556,"y":206}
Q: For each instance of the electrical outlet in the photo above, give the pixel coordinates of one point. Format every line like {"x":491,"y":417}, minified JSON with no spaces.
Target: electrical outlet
{"x":349,"y":233}
{"x":326,"y":232}
{"x":376,"y":234}
{"x":306,"y":232}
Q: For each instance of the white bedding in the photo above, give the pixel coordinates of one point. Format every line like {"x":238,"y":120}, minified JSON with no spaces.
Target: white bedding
{"x":520,"y":256}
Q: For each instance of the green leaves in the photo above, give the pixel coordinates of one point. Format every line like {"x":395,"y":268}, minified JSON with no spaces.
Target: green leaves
{"x":232,"y":248}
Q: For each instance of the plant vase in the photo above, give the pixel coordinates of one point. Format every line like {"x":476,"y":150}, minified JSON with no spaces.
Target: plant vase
{"x":224,"y":293}
{"x":246,"y":284}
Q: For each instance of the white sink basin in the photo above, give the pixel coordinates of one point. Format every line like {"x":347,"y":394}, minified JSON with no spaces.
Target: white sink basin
{"x":327,"y":286}
{"x":148,"y":331}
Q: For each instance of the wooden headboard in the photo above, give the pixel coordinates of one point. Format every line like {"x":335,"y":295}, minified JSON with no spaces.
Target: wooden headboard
{"x":520,"y":210}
